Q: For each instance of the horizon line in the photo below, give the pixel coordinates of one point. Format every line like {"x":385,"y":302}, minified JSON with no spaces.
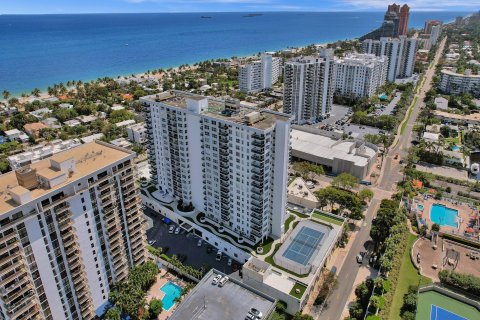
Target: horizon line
{"x":213,"y":12}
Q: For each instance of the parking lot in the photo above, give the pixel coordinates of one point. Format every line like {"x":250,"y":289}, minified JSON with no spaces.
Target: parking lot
{"x":184,"y":244}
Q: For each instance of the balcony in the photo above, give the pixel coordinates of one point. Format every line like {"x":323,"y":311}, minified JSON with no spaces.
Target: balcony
{"x":258,"y":150}
{"x":15,"y":294}
{"x":10,"y":246}
{"x":8,"y":237}
{"x":258,"y":144}
{"x":256,"y":190}
{"x":15,"y":285}
{"x":255,"y":233}
{"x":258,"y":165}
{"x":257,"y":157}
{"x":26,"y":308}
{"x":258,"y":136}
{"x":258,"y":185}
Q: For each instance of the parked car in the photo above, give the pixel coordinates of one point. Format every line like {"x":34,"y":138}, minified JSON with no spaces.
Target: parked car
{"x":152,"y":242}
{"x":199,"y":243}
{"x":229,"y":263}
{"x":222,"y":282}
{"x":257,"y":313}
{"x":216,"y":279}
{"x":177,"y":230}
{"x":359,"y":258}
{"x":219,"y":256}
{"x":171,"y":229}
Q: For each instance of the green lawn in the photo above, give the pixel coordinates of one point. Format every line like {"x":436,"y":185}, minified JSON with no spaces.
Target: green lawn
{"x":429,"y":298}
{"x":267,"y":245}
{"x":288,"y":222}
{"x":408,"y":277}
{"x":299,"y":286}
{"x":325,"y":217}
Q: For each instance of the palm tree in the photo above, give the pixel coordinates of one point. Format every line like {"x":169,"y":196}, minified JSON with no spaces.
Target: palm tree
{"x":36,"y":92}
{"x":6,"y":94}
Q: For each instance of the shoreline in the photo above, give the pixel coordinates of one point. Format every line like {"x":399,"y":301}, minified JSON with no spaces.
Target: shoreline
{"x":176,"y":68}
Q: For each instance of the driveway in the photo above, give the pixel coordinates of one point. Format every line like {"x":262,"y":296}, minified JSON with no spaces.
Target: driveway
{"x":185,"y":244}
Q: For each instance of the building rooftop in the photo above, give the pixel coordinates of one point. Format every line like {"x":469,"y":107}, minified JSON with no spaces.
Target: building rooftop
{"x":232,"y":301}
{"x":326,"y":147}
{"x":466,"y":75}
{"x":217,"y":109}
{"x":88,"y":158}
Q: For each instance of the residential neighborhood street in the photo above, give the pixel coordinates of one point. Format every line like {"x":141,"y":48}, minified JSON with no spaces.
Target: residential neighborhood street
{"x":391,"y":173}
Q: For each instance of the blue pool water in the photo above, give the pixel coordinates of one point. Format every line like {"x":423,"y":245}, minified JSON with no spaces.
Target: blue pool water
{"x":171,"y":291}
{"x":455,"y":148}
{"x":444,"y":216}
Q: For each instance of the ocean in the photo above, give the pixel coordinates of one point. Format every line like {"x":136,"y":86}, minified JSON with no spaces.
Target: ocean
{"x":39,"y":50}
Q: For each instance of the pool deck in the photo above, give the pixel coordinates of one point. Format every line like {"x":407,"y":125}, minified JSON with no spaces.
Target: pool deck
{"x":464,"y":212}
{"x":155,"y":293}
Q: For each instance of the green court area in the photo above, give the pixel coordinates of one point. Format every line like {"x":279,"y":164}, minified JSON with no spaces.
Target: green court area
{"x":433,"y":305}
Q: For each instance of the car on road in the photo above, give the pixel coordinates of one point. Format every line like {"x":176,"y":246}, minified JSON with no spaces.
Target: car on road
{"x":177,"y":230}
{"x":152,"y":242}
{"x":222,"y":282}
{"x":199,"y":243}
{"x":359,"y":258}
{"x":171,"y":229}
{"x":229,"y":263}
{"x":219,"y":256}
{"x":216,"y":279}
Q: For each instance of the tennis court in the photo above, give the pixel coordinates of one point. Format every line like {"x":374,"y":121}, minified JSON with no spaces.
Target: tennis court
{"x":437,"y":313}
{"x":434,"y":305}
{"x":303,"y":245}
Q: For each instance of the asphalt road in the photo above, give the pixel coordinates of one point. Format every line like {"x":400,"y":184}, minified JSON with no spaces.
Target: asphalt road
{"x":392,"y":173}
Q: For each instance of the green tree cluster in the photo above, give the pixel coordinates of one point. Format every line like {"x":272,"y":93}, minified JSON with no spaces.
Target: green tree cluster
{"x":346,"y":202}
{"x":467,"y":282}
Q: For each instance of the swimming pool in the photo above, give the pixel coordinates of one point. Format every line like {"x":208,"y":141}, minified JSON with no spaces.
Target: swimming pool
{"x":455,"y":148}
{"x":443,"y":215}
{"x":420,"y":206}
{"x":171,"y":291}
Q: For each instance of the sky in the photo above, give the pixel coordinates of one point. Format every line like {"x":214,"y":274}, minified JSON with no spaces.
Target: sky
{"x":131,"y":6}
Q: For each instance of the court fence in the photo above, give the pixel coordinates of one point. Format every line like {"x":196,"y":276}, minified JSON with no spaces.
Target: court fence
{"x":449,"y":292}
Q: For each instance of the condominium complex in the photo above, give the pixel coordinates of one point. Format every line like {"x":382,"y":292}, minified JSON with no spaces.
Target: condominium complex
{"x":70,"y":226}
{"x":458,"y":83}
{"x":260,"y":74}
{"x":360,"y":75}
{"x":222,"y":159}
{"x":309,"y":84}
{"x":395,"y":23}
{"x":400,"y":52}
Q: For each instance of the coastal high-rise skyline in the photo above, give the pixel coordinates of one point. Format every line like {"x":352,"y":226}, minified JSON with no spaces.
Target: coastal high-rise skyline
{"x":395,"y":23}
{"x":309,"y":84}
{"x":221,"y":158}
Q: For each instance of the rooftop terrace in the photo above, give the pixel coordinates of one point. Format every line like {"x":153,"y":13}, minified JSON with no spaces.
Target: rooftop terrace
{"x":88,"y":158}
{"x":230,"y":111}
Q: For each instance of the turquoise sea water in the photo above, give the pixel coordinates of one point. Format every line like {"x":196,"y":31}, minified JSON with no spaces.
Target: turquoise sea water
{"x":171,"y":291}
{"x":40,"y":50}
{"x":443,"y":215}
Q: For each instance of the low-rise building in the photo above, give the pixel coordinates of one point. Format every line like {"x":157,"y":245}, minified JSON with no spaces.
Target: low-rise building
{"x":52,"y":123}
{"x":458,"y":83}
{"x":91,"y":138}
{"x":441,"y":103}
{"x":40,"y":113}
{"x":72,"y":123}
{"x":233,"y":300}
{"x":117,"y":107}
{"x":137,"y":133}
{"x":431,"y":137}
{"x":33,"y":129}
{"x":16,"y":135}
{"x":352,"y":156}
{"x":87,"y":119}
{"x":66,"y":105}
{"x":122,"y":143}
{"x":125,"y":123}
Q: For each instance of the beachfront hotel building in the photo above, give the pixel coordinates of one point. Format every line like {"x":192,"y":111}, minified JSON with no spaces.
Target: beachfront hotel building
{"x":309,"y":85}
{"x":400,"y":52}
{"x":224,"y":160}
{"x":70,"y":226}
{"x":260,"y":74}
{"x":360,"y":75}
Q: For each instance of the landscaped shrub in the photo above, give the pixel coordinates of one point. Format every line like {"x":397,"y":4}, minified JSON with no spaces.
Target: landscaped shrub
{"x":466,"y":282}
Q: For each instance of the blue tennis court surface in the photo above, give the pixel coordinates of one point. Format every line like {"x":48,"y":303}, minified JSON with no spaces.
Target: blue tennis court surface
{"x":438,"y":313}
{"x":303,"y":245}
